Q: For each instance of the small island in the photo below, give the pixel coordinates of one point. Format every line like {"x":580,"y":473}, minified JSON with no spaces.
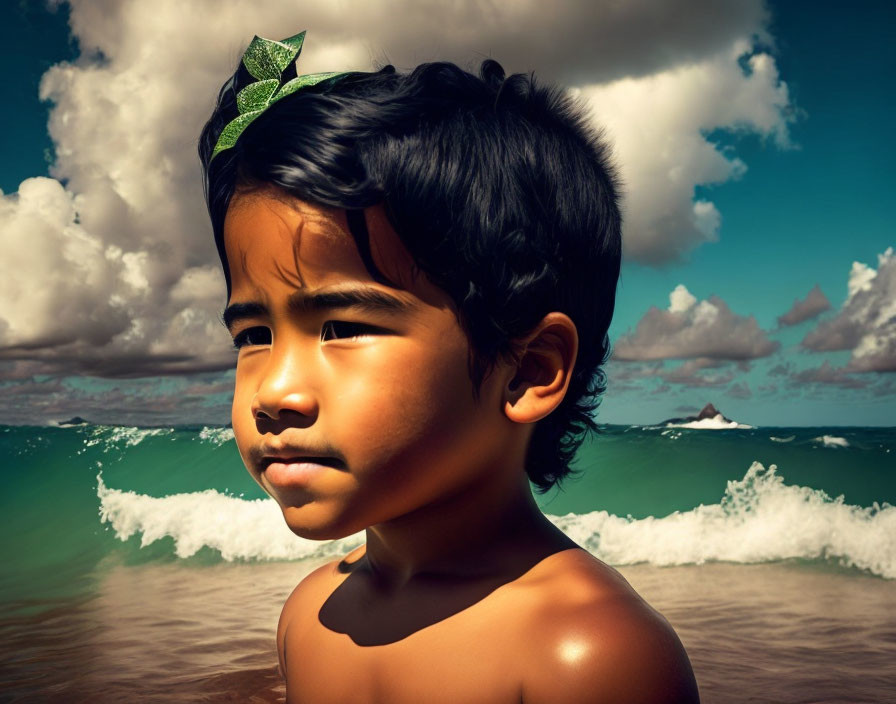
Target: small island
{"x":709,"y":418}
{"x":77,"y":420}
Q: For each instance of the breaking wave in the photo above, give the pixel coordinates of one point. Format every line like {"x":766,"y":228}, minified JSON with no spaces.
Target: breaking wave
{"x":758,"y":519}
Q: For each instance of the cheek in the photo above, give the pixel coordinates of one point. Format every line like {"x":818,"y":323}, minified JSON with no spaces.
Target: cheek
{"x":244,"y":429}
{"x":417,"y":403}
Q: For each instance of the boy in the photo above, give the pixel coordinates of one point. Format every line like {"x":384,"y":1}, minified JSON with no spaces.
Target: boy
{"x":421,"y":272}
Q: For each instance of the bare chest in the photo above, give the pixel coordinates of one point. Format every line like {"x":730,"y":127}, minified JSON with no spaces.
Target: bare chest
{"x":469,"y":657}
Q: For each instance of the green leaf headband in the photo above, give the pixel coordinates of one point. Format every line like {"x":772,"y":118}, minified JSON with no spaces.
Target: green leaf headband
{"x":267,"y":61}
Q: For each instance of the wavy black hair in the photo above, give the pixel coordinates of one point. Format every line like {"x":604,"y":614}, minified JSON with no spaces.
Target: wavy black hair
{"x":497,"y":186}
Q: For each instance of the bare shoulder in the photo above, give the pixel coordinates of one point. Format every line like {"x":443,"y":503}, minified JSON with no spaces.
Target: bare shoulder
{"x":599,"y":641}
{"x":308,"y":595}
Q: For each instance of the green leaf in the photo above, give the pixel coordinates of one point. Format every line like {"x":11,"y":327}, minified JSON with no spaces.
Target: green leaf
{"x":295,"y":42}
{"x":305,"y":81}
{"x":233,"y":130}
{"x":266,"y":60}
{"x":256,"y":96}
{"x":282,"y":55}
{"x":259,"y":60}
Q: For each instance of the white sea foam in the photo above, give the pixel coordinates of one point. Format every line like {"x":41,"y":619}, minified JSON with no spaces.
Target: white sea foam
{"x":759,"y":519}
{"x":832,"y":441}
{"x":789,"y":438}
{"x":216,"y":436}
{"x":717,"y":422}
{"x":237,"y":528}
{"x":121,"y":436}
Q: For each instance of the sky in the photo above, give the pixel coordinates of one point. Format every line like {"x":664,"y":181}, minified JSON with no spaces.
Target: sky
{"x":753,"y":138}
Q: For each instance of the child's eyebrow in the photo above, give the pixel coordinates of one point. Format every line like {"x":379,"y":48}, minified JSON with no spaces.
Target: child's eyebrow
{"x":240,"y":311}
{"x":362,"y":297}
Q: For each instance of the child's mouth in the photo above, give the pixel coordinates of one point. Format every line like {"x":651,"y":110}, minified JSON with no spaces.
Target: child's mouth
{"x":325,"y":461}
{"x":291,"y":472}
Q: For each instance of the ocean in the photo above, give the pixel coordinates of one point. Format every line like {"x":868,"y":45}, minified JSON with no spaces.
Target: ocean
{"x":143,"y":564}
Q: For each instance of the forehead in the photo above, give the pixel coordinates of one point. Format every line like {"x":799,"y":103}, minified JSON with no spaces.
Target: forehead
{"x":276,"y":244}
{"x":271,"y":239}
{"x":268,"y":238}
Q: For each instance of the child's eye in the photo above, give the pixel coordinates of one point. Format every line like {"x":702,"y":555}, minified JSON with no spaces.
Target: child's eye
{"x":252,"y":336}
{"x":342,"y":330}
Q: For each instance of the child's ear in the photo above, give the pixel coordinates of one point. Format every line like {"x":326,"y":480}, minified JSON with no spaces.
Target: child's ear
{"x":541,"y":376}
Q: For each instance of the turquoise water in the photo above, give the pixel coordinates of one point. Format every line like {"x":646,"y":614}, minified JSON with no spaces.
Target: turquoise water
{"x":80,"y":500}
{"x":653,"y":471}
{"x":145,"y":565}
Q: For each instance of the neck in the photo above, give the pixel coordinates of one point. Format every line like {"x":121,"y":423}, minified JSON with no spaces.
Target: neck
{"x":483,"y":531}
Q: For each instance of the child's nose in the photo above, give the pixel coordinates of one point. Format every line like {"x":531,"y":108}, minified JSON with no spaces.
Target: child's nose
{"x":285,"y":388}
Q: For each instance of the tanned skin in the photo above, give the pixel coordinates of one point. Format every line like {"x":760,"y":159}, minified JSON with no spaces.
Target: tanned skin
{"x":354,"y":410}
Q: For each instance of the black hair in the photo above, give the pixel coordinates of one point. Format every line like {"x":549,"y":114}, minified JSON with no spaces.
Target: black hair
{"x":502,"y":193}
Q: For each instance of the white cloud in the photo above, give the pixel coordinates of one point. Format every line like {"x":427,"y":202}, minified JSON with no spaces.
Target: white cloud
{"x":115,"y":273}
{"x":681,"y":299}
{"x":658,"y":124}
{"x":68,"y":296}
{"x":866,"y":322}
{"x":689,"y":329}
{"x":861,"y":278}
{"x":55,"y":278}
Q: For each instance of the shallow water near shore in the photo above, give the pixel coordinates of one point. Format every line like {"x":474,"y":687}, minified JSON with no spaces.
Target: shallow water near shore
{"x":144,"y":565}
{"x":754,"y":633}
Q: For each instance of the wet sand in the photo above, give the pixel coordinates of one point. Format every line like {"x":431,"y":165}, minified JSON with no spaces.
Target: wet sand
{"x":754,"y":633}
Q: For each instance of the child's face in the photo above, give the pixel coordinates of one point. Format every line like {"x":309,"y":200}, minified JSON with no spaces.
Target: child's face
{"x":349,"y":411}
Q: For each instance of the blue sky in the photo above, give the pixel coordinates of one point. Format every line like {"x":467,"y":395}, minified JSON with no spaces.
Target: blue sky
{"x":800,"y":217}
{"x":804,"y":190}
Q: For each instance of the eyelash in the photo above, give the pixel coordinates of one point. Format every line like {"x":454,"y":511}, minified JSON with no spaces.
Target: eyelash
{"x":342,"y":330}
{"x":245,"y":338}
{"x":331,"y":330}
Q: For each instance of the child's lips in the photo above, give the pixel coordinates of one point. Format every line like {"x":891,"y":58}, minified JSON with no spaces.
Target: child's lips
{"x":268,"y":460}
{"x":292,"y":466}
{"x":273,"y":451}
{"x":287,"y":472}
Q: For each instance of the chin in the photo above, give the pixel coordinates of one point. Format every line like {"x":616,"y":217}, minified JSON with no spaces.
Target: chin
{"x":309,"y":524}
